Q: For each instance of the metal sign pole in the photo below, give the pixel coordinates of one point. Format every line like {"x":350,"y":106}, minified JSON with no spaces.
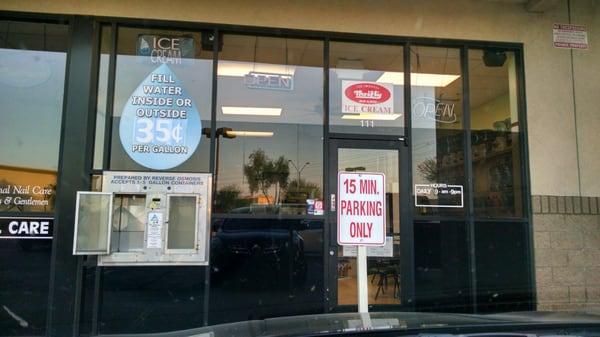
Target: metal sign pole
{"x":363,"y":290}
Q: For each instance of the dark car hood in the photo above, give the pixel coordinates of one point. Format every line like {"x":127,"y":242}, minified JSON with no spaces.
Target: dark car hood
{"x":354,"y":322}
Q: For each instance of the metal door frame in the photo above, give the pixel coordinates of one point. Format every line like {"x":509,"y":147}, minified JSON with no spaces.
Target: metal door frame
{"x":406,"y":224}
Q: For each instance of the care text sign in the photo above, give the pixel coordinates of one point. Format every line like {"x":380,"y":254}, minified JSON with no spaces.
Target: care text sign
{"x":26,"y":227}
{"x":361,"y":209}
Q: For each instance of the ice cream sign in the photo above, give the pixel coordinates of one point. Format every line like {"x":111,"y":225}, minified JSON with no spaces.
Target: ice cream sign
{"x":359,"y":97}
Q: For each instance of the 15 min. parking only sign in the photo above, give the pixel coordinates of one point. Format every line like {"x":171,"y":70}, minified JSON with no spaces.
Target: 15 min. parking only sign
{"x":361,"y":209}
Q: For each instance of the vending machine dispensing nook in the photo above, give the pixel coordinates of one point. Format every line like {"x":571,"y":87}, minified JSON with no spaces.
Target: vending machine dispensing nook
{"x":145,"y":218}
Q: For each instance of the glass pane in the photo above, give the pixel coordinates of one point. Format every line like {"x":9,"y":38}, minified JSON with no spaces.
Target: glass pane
{"x":366,"y":91}
{"x":498,"y":190}
{"x":276,"y":262}
{"x":93,"y":220}
{"x":32,"y":62}
{"x":438,"y":137}
{"x":442,"y":280}
{"x":383,"y":267}
{"x":269,"y":126}
{"x":182,"y":222}
{"x":129,"y":222}
{"x":504,"y":267}
{"x":105,"y":41}
{"x":162,"y":100}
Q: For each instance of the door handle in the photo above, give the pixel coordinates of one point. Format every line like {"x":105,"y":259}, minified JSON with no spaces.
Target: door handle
{"x":332,"y":202}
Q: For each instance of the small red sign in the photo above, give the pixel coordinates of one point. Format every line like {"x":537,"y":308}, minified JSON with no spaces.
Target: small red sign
{"x":367,"y":93}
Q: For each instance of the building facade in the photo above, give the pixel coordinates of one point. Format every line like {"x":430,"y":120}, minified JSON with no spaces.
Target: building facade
{"x":482,"y":121}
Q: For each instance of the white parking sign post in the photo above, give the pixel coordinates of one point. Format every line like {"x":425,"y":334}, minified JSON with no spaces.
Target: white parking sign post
{"x":361,"y":220}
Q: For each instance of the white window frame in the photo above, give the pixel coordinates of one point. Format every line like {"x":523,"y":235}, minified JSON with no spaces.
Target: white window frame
{"x":108,"y":225}
{"x":168,"y":224}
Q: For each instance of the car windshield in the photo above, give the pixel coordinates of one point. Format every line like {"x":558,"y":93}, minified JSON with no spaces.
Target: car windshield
{"x":299,"y":168}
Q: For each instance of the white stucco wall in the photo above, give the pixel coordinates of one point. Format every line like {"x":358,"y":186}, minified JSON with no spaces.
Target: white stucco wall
{"x":551,"y":120}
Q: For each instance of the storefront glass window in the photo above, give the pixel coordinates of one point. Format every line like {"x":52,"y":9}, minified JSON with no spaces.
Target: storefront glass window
{"x":32,"y":79}
{"x":442,"y":267}
{"x":495,"y":134}
{"x":269,"y":145}
{"x":162,"y":100}
{"x":502,"y":264}
{"x":267,"y":230}
{"x":366,"y":94}
{"x":32,"y":76}
{"x":437,"y":131}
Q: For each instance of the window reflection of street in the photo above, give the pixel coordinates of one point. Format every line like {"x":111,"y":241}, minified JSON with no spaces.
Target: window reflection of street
{"x":267,"y":236}
{"x":269,"y":137}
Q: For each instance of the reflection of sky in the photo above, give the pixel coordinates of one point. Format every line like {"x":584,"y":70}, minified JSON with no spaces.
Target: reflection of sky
{"x":101,"y":111}
{"x":385,"y":161}
{"x":424,"y":141}
{"x":298,"y":131}
{"x":301,"y":105}
{"x":31,"y":101}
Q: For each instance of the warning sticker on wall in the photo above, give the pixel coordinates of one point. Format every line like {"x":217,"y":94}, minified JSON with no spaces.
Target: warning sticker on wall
{"x":570,"y":36}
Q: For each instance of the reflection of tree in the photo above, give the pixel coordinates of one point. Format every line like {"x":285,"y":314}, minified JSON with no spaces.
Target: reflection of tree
{"x":281,"y":173}
{"x":10,"y":196}
{"x":50,"y":197}
{"x":299,"y":191}
{"x":428,"y":169}
{"x":228,"y":198}
{"x":261,"y":173}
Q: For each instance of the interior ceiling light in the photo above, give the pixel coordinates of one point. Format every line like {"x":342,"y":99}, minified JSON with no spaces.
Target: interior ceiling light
{"x":252,"y":111}
{"x":349,"y":69}
{"x":372,"y":116}
{"x":418,"y":79}
{"x":241,"y":69}
{"x":250,"y":133}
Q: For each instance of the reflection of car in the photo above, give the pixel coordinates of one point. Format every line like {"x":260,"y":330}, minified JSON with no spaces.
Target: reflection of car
{"x":289,"y":209}
{"x":261,"y":250}
{"x":409,"y":324}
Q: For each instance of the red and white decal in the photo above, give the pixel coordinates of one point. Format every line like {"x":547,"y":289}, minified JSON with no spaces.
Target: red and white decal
{"x":359,"y":97}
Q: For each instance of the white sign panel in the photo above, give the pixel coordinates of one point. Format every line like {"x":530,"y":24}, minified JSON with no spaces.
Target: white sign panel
{"x":569,"y":36}
{"x":154,"y":230}
{"x":375,"y":251}
{"x":359,"y":97}
{"x":149,"y":182}
{"x":361,"y":209}
{"x":439,"y":195}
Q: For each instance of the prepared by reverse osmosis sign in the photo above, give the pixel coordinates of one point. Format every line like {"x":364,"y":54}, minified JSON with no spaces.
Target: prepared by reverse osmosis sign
{"x":361,"y":209}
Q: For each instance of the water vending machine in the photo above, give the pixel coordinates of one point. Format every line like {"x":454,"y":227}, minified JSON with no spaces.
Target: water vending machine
{"x":145,"y":218}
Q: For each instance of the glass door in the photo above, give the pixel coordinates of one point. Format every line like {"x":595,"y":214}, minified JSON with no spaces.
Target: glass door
{"x":388,"y":279}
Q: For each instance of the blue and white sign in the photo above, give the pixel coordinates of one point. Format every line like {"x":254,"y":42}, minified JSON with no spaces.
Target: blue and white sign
{"x":160,"y":125}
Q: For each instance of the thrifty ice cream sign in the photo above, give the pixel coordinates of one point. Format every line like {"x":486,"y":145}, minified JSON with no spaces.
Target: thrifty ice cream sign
{"x":367,"y":98}
{"x":361,"y":209}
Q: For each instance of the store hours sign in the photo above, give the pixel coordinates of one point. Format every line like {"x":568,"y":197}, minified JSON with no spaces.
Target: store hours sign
{"x":160,"y":125}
